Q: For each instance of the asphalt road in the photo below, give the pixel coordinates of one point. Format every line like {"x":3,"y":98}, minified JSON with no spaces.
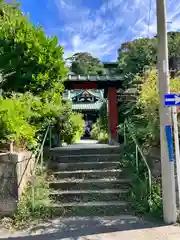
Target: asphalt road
{"x":104,"y":228}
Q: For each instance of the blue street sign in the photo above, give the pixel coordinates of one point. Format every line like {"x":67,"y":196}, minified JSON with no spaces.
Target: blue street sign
{"x":169,"y":138}
{"x":171,"y":100}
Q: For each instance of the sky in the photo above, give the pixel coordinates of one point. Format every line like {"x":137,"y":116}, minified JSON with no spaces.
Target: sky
{"x":99,"y":26}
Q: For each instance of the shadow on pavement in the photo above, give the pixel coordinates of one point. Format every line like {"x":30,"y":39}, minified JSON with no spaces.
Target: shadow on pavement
{"x":76,"y":228}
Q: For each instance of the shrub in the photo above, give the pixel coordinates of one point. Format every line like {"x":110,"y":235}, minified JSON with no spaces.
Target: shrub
{"x":99,"y":133}
{"x":100,"y":128}
{"x":69,"y":125}
{"x":34,"y":208}
{"x":145,"y":112}
{"x":103,"y":117}
{"x":77,"y":126}
{"x":139,"y":196}
{"x":30,"y":60}
{"x":14,"y":124}
{"x":149,"y":105}
{"x":145,"y":127}
{"x":24,"y":119}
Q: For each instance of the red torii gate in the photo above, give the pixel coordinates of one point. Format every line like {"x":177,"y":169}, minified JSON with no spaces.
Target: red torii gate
{"x":110,"y":84}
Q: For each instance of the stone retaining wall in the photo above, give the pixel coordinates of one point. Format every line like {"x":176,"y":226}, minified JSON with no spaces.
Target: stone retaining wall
{"x":15,"y":170}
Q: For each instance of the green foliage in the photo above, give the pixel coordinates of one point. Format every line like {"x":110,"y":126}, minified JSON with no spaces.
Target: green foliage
{"x":14,"y":122}
{"x":103,"y":117}
{"x":156,"y":204}
{"x":141,"y":201}
{"x":33,"y":61}
{"x":84,"y":63}
{"x":24,"y":119}
{"x":69,"y":125}
{"x":1,"y":4}
{"x":139,"y":197}
{"x":174,"y":43}
{"x":128,"y":109}
{"x":99,"y":133}
{"x":100,"y":128}
{"x":77,"y":127}
{"x":32,"y":64}
{"x":32,"y":73}
{"x":148,"y":102}
{"x":73,"y":128}
{"x":135,"y":56}
{"x":141,"y":54}
{"x":145,"y":112}
{"x":144,"y":125}
{"x":35,"y":208}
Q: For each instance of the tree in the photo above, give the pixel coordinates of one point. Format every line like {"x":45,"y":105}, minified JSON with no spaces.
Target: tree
{"x":32,"y":66}
{"x":148,"y":102}
{"x":32,"y":61}
{"x":134,"y":57}
{"x":85,"y":63}
{"x":174,"y":44}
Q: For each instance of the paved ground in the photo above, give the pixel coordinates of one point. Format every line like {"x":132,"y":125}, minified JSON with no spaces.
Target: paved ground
{"x":86,"y":143}
{"x":106,"y":228}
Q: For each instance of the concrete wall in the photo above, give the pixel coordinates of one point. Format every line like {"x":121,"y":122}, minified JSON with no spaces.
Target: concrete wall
{"x":15,"y":170}
{"x":154,"y":161}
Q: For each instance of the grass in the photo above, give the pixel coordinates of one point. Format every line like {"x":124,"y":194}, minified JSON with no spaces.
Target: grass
{"x":138,"y":198}
{"x":32,"y":210}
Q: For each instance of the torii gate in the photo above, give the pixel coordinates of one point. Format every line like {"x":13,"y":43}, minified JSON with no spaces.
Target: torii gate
{"x":110,"y":84}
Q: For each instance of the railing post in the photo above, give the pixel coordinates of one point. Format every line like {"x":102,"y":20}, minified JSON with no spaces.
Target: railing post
{"x":11,"y":146}
{"x":33,"y":182}
{"x":124,"y":134}
{"x":50,"y":136}
{"x":41,"y":160}
{"x":137,"y":162}
{"x":139,"y":151}
{"x":33,"y":198}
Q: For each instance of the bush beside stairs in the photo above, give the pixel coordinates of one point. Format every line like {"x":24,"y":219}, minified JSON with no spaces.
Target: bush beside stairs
{"x":88,"y":182}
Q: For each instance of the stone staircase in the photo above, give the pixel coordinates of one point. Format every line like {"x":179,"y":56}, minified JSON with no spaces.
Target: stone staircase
{"x":88,"y":181}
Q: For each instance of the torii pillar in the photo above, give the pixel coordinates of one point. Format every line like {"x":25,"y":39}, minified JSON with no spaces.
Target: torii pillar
{"x":112,"y":115}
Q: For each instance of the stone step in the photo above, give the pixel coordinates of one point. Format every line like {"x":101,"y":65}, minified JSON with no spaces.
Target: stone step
{"x":85,"y":157}
{"x":89,"y":195}
{"x":84,"y":165}
{"x":102,"y":208}
{"x":91,"y":184}
{"x":86,"y":150}
{"x":89,"y":174}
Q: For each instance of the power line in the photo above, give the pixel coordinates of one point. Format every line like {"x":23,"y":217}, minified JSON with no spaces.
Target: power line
{"x":149,"y":15}
{"x":125,"y":32}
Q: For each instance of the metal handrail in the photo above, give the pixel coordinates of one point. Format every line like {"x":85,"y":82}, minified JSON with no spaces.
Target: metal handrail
{"x":138,"y":149}
{"x":39,"y":151}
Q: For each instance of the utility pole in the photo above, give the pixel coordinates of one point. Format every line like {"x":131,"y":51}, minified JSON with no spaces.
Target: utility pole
{"x":167,"y":166}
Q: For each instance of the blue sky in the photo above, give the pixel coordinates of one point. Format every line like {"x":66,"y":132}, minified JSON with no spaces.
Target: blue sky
{"x":98,"y":26}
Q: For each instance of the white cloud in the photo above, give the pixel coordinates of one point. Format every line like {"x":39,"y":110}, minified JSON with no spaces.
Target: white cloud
{"x":76,"y":41}
{"x":101,"y":30}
